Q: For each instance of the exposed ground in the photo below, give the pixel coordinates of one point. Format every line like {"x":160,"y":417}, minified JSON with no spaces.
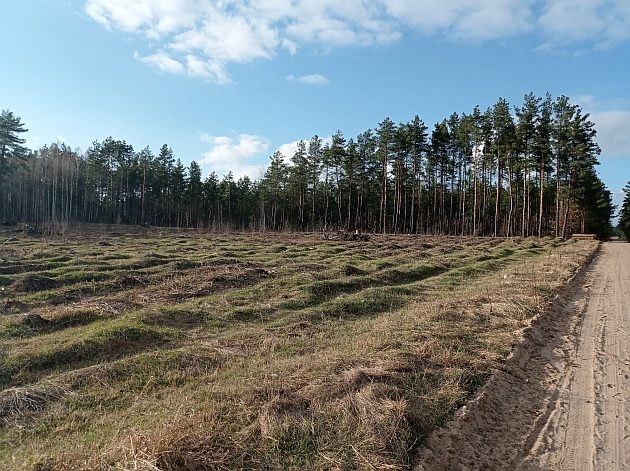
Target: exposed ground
{"x":589,"y":423}
{"x":148,"y":349}
{"x":561,"y":402}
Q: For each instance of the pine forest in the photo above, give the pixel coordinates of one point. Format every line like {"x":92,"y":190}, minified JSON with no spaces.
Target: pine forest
{"x":528,"y":170}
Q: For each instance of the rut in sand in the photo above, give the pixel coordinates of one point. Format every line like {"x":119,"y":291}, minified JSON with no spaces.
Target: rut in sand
{"x":561,"y":402}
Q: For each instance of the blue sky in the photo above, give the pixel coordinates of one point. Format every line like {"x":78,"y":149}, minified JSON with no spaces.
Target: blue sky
{"x":226,"y":83}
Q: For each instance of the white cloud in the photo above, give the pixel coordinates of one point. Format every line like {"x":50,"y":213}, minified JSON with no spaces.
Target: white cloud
{"x":288,"y":149}
{"x":290,"y":46}
{"x":465,"y":19}
{"x":604,"y":22}
{"x":234,"y":154}
{"x":241,"y":154}
{"x":310,"y":79}
{"x":612,"y":121}
{"x":205,"y":36}
{"x":191,"y":65}
{"x":164,"y":62}
{"x":212,"y":70}
{"x":612,"y":132}
{"x":154,"y":17}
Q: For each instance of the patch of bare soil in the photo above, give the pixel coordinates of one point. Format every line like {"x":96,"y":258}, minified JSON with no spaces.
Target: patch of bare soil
{"x":560,"y":402}
{"x":204,"y":281}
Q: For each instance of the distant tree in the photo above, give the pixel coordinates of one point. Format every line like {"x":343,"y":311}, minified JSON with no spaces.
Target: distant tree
{"x":11,"y":127}
{"x":503,"y":146}
{"x":385,"y":135}
{"x":246,"y":203}
{"x":527,"y":120}
{"x":592,"y":205}
{"x":438,"y":162}
{"x":163,"y":183}
{"x":193,"y":194}
{"x":400,"y":174}
{"x":367,"y":168}
{"x":210,"y":206}
{"x":418,"y":147}
{"x":336,"y":156}
{"x":273,"y":189}
{"x":299,"y":177}
{"x":624,"y":214}
{"x":564,"y":113}
{"x":145,"y":161}
{"x":314,"y":169}
{"x":462,"y":146}
{"x":543,"y":155}
{"x":11,"y":153}
{"x":227,"y":199}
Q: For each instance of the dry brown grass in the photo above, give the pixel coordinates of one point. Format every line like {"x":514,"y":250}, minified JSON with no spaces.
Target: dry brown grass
{"x":18,"y":402}
{"x":256,"y":352}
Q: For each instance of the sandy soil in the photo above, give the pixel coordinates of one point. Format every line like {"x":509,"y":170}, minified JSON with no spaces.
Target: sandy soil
{"x":562,"y":402}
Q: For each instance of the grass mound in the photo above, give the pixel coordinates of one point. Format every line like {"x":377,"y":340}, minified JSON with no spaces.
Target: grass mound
{"x":18,"y":402}
{"x":102,"y":341}
{"x":34,"y":282}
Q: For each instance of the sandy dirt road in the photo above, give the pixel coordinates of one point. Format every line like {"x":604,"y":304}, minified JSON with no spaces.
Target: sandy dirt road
{"x":563,"y":400}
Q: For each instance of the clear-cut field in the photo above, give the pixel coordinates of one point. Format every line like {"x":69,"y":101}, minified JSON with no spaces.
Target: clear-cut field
{"x":145,"y":349}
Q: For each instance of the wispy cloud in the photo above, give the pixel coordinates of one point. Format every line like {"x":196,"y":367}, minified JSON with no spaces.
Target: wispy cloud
{"x":205,"y":36}
{"x":163,"y":62}
{"x":310,"y":79}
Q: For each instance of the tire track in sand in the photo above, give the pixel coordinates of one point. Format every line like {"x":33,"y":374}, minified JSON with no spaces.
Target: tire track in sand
{"x":590,"y":429}
{"x":563,"y":400}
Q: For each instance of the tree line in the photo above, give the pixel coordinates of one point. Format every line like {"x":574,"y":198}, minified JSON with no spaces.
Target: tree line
{"x":506,"y":171}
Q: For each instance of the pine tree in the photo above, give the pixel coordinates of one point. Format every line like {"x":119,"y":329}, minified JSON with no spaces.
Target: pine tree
{"x":462,"y":148}
{"x":543,"y":155}
{"x":418,"y":147}
{"x":12,"y":152}
{"x":336,"y":156}
{"x":274,"y":184}
{"x":367,"y":168}
{"x":564,"y":114}
{"x":349,"y":168}
{"x":314,"y":168}
{"x":438,"y":168}
{"x":503,"y":145}
{"x":11,"y":147}
{"x":145,"y":162}
{"x":193,"y":194}
{"x":385,"y":141}
{"x":164,"y":172}
{"x":210,"y":200}
{"x":299,"y":177}
{"x":528,"y":116}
